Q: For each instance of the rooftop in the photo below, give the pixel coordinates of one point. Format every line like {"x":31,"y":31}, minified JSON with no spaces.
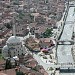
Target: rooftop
{"x":13,"y":39}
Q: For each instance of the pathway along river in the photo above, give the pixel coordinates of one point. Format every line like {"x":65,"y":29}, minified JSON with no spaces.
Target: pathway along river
{"x":64,"y":54}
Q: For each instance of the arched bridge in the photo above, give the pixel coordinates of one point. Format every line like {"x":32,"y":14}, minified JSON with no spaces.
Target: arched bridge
{"x":65,"y":42}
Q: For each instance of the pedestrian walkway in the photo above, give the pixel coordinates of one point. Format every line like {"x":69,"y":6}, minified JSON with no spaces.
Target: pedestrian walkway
{"x":59,"y":27}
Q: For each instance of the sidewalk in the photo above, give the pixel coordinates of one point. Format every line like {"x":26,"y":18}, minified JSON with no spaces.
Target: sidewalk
{"x":46,"y":58}
{"x":59,"y":24}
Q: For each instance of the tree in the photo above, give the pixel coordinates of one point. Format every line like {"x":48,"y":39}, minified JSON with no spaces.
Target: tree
{"x":47,"y":33}
{"x":8,"y":64}
{"x":19,"y":73}
{"x":21,"y":15}
{"x":8,"y":25}
{"x":32,"y":17}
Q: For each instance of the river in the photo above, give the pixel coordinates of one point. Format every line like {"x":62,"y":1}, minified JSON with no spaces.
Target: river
{"x":64,"y":54}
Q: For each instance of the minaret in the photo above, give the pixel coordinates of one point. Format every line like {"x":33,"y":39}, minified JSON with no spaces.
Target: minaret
{"x":14,"y":31}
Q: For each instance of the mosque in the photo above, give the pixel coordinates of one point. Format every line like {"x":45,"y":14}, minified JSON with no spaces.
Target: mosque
{"x":14,"y":46}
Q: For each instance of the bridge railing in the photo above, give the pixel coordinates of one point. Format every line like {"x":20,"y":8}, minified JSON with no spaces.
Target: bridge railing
{"x":62,"y":42}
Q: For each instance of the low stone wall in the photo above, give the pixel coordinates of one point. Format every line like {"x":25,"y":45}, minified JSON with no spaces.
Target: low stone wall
{"x":63,"y":24}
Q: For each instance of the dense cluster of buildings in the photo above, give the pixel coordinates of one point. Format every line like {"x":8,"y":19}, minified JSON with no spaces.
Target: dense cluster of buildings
{"x":35,"y":13}
{"x":20,"y":18}
{"x":30,"y":67}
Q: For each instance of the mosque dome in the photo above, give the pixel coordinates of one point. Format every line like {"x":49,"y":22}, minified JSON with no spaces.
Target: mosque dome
{"x":5,"y":47}
{"x":13,"y":39}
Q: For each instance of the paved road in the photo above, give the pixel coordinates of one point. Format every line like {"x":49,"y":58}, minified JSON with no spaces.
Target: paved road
{"x":64,"y":51}
{"x":46,"y":66}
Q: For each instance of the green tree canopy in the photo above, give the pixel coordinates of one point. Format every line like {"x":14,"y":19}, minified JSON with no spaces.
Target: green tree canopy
{"x":8,"y":64}
{"x":19,"y":73}
{"x":47,"y":33}
{"x":8,"y":25}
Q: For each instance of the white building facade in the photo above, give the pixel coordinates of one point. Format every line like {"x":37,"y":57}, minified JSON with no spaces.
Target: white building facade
{"x":13,"y":47}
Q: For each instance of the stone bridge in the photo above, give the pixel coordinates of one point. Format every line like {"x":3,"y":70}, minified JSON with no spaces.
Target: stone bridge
{"x":65,"y":42}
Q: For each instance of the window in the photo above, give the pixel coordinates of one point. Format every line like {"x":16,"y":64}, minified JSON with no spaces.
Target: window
{"x":22,"y":54}
{"x":14,"y":52}
{"x":21,"y":45}
{"x":10,"y":55}
{"x":18,"y":51}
